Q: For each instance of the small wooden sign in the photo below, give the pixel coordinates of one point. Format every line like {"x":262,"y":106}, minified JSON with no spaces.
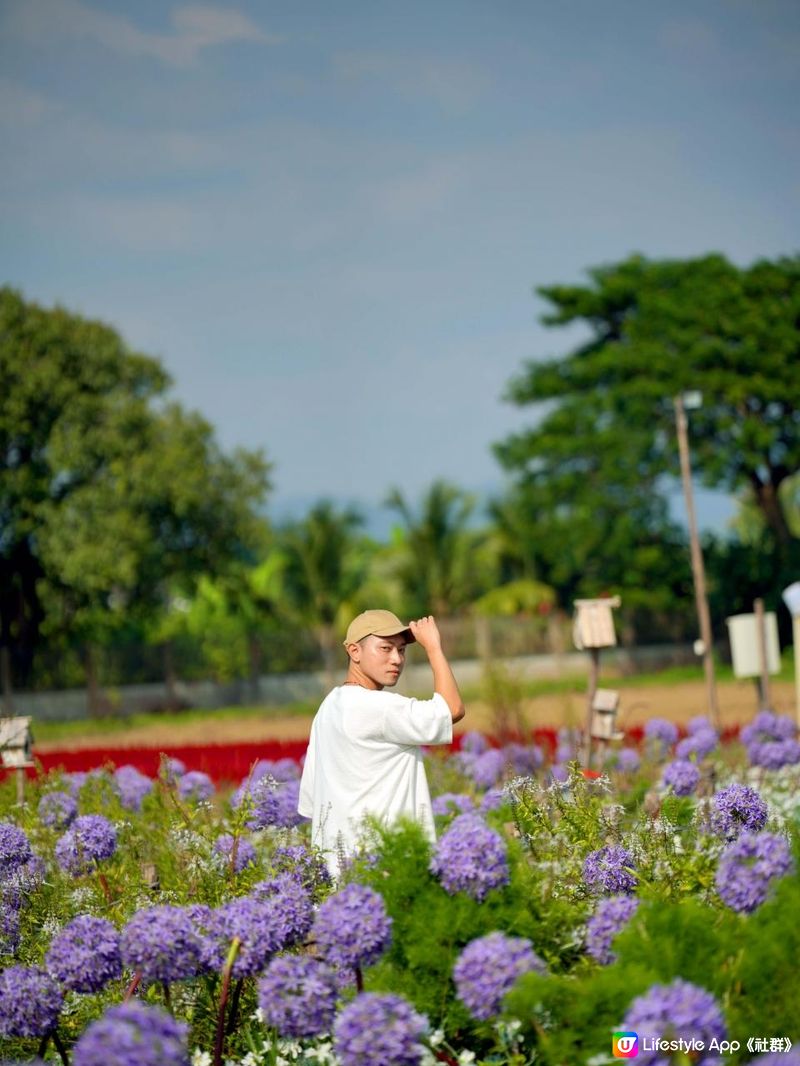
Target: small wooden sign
{"x":16,"y":741}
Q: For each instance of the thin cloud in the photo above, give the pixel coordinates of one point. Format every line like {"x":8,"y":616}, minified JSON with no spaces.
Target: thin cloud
{"x":22,"y":108}
{"x":195,"y":27}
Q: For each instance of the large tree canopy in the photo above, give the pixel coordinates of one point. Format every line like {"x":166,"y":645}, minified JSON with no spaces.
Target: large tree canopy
{"x":656,"y":329}
{"x":107,"y":495}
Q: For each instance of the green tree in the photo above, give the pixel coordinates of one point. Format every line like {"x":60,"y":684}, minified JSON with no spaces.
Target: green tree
{"x":657,"y":329}
{"x":327,"y":561}
{"x":107,"y":496}
{"x":439,"y":558}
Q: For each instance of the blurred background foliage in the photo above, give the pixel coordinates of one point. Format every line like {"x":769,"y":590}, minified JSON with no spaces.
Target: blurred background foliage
{"x":133,"y":548}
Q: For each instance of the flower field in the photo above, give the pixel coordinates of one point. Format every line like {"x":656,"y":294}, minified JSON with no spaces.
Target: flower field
{"x":152,"y":915}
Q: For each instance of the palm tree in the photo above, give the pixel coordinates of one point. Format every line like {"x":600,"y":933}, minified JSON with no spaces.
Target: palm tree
{"x":438,"y":555}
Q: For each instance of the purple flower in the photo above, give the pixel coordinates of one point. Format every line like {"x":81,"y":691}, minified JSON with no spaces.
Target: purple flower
{"x":307,"y":866}
{"x":245,"y":854}
{"x":57,"y":810}
{"x":470,"y":857}
{"x":452,"y":803}
{"x":15,"y":849}
{"x":736,"y":809}
{"x":376,"y":1028}
{"x":171,"y":769}
{"x":700,"y":743}
{"x":487,"y":969}
{"x":258,"y":924}
{"x":609,"y":870}
{"x":667,"y":1012}
{"x":133,"y":1034}
{"x":291,"y":903}
{"x":768,"y":726}
{"x":487,"y":769}
{"x":474,"y":743}
{"x":748,"y":867}
{"x":272,"y":802}
{"x":628,"y":760}
{"x":195,"y":786}
{"x":9,"y":928}
{"x":30,"y":1001}
{"x":285,"y":769}
{"x":90,"y":838}
{"x":85,"y":955}
{"x":492,"y":799}
{"x":525,"y":759}
{"x":613,"y":914}
{"x":661,"y":730}
{"x":559,"y":772}
{"x":698,"y":724}
{"x":778,"y":1058}
{"x":131,"y":786}
{"x":565,"y":752}
{"x":681,"y":776}
{"x":297,"y":995}
{"x":773,"y":754}
{"x":162,"y":944}
{"x":352,"y":927}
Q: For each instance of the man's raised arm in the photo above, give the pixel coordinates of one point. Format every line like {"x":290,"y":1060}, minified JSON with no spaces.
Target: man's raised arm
{"x":426,"y":633}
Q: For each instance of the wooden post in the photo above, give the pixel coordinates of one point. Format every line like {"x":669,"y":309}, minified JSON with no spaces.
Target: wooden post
{"x":20,"y":786}
{"x":763,"y":662}
{"x":594,"y":675}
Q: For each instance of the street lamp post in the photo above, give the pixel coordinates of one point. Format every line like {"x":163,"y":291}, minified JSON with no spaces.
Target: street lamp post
{"x":682,"y":402}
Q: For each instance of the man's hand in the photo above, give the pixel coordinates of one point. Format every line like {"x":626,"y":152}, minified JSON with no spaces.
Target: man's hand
{"x":426,"y":633}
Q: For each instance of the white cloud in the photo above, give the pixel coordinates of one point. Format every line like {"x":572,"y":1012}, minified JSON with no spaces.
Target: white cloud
{"x":195,"y":27}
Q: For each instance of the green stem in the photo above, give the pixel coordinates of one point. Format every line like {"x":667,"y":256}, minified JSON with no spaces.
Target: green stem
{"x":219,"y":1043}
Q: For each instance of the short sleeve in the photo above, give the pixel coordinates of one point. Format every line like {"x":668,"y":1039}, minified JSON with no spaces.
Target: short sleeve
{"x":410,"y":721}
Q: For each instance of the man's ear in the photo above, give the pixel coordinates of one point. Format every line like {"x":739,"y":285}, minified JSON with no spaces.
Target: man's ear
{"x":354,"y":651}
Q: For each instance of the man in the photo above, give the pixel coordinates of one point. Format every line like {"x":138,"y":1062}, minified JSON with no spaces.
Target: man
{"x":364,"y":753}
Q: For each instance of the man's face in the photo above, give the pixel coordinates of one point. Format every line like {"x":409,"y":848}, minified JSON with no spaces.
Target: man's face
{"x":381,"y":658}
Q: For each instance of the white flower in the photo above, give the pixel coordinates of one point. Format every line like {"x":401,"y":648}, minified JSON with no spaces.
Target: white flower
{"x":466,"y":1058}
{"x":200,"y":1058}
{"x":436,"y":1037}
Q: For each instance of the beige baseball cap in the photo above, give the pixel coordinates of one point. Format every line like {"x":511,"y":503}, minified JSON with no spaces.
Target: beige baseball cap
{"x":379,"y":624}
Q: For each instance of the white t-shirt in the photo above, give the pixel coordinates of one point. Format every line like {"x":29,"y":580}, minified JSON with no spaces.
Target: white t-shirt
{"x":364,"y":758}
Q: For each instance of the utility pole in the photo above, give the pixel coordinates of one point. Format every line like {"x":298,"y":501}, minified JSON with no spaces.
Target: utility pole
{"x":698,"y":570}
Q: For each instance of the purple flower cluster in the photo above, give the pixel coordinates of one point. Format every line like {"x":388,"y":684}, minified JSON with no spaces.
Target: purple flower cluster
{"x":90,"y":838}
{"x":131,"y":786}
{"x":487,"y":969}
{"x":15,"y":849}
{"x":628,"y":761}
{"x":258,"y":924}
{"x":474,"y":743}
{"x":749,"y":866}
{"x":85,"y":955}
{"x":272,"y":802}
{"x":770,"y":740}
{"x":291,"y":902}
{"x":162,"y":944}
{"x":609,"y":870}
{"x":57,"y":810}
{"x":306,"y":865}
{"x":524,"y":759}
{"x":376,"y":1028}
{"x":236,"y":849}
{"x":470,"y":857}
{"x":195,"y":786}
{"x":613,"y":914}
{"x":171,"y":769}
{"x":492,"y":799}
{"x":452,"y":803}
{"x":9,"y":926}
{"x":679,"y":1009}
{"x":352,"y":927}
{"x":681,"y":776}
{"x":662,"y":731}
{"x":30,"y":1001}
{"x":487,"y":769}
{"x":297,"y":995}
{"x":133,"y":1034}
{"x":737,"y":809}
{"x":699,"y":743}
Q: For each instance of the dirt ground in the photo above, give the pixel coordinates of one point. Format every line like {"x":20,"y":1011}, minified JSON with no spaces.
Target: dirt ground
{"x":678,"y":702}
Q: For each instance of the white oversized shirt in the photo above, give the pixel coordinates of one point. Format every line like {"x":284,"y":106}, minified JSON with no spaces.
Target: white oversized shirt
{"x":364,"y":758}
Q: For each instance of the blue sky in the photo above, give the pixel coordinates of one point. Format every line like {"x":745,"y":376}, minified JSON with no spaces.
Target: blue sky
{"x":328,"y":220}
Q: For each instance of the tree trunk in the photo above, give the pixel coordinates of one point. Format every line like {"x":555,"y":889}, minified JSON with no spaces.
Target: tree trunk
{"x":5,"y":672}
{"x":327,"y":644}
{"x":768,"y":499}
{"x":94,"y":699}
{"x":254,"y":655}
{"x":170,"y":677}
